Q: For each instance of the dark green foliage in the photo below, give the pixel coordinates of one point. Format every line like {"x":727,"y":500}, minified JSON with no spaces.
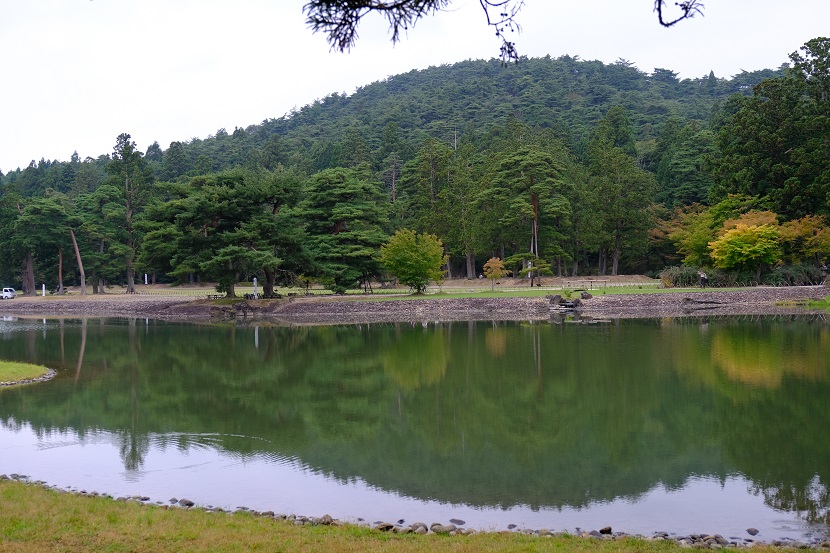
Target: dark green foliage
{"x":226,"y":226}
{"x":39,"y":232}
{"x":776,"y":144}
{"x":561,"y":156}
{"x":396,"y":114}
{"x":801,"y":274}
{"x":685,"y":276}
{"x":681,"y":171}
{"x":623,"y":192}
{"x":532,"y":200}
{"x":346,"y":214}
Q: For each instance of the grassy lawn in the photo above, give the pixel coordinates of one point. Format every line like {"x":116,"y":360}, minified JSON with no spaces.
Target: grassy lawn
{"x":825,"y":303}
{"x":14,"y":372}
{"x":542,"y":292}
{"x":34,"y":519}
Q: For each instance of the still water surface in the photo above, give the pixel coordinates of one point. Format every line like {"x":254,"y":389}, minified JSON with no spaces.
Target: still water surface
{"x":680,"y":425}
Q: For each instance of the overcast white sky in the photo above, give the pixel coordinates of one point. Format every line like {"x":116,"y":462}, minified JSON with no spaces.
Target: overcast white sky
{"x":77,"y":73}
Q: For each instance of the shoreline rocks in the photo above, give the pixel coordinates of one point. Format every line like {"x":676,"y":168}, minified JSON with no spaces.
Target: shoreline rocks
{"x":50,"y":374}
{"x":454,"y":526}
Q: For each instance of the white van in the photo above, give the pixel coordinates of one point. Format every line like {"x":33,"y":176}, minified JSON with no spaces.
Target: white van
{"x":9,"y":293}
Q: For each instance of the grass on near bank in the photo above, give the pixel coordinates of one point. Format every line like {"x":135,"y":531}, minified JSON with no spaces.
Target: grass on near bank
{"x":15,"y":372}
{"x":35,"y":519}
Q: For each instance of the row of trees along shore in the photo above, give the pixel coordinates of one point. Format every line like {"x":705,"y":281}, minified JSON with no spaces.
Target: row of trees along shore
{"x":555,"y":166}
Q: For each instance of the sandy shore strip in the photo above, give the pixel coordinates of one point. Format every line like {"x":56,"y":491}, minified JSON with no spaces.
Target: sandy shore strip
{"x":359,"y":309}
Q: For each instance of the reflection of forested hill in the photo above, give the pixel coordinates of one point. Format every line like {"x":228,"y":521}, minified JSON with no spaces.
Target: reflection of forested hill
{"x":468,"y":413}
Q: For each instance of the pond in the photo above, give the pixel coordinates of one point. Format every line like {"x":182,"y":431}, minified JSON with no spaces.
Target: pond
{"x":680,"y":425}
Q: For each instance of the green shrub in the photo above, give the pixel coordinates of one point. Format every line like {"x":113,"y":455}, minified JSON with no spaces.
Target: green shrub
{"x":681,"y":277}
{"x":801,"y":274}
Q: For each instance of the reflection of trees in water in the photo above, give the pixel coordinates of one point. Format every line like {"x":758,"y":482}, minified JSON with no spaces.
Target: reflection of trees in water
{"x":722,"y":352}
{"x":416,"y":359}
{"x":567,"y":415}
{"x":134,"y":443}
{"x":778,"y":436}
{"x":133,"y":448}
{"x":495,"y":339}
{"x":769,"y":381}
{"x":811,"y":501}
{"x":80,"y":351}
{"x":761,"y":354}
{"x":778,"y":440}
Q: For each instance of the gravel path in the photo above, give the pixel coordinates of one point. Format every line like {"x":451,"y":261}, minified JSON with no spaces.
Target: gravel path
{"x":339,"y":310}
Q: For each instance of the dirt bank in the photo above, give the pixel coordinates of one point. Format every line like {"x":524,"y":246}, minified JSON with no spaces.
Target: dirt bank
{"x":756,"y":301}
{"x":338,"y":310}
{"x":106,"y":305}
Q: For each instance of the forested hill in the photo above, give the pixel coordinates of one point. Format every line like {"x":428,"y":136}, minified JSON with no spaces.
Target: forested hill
{"x":551,"y":166}
{"x":565,"y":94}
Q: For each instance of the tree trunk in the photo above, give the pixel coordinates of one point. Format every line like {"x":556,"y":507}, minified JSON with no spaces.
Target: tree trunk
{"x":129,"y":194}
{"x":99,"y":289}
{"x":531,"y":273}
{"x":60,"y":271}
{"x":449,"y":264}
{"x":130,"y":277}
{"x":615,"y":262}
{"x":534,"y":201}
{"x":231,"y":292}
{"x":534,"y":238}
{"x":80,"y":264}
{"x":471,"y":264}
{"x":268,"y":283}
{"x":28,"y":276}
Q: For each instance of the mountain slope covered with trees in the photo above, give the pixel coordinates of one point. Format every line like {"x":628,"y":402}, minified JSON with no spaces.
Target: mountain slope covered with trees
{"x":554,"y":165}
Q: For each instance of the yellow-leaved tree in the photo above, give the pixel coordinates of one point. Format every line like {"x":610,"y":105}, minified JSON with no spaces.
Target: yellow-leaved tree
{"x":748,"y":243}
{"x":494,"y":270}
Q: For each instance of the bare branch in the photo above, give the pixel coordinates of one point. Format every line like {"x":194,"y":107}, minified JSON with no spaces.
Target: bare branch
{"x":504,"y":21}
{"x":339,"y":19}
{"x":688,"y":10}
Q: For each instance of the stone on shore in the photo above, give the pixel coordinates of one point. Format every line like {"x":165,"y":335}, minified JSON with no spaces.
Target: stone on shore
{"x":441,"y":528}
